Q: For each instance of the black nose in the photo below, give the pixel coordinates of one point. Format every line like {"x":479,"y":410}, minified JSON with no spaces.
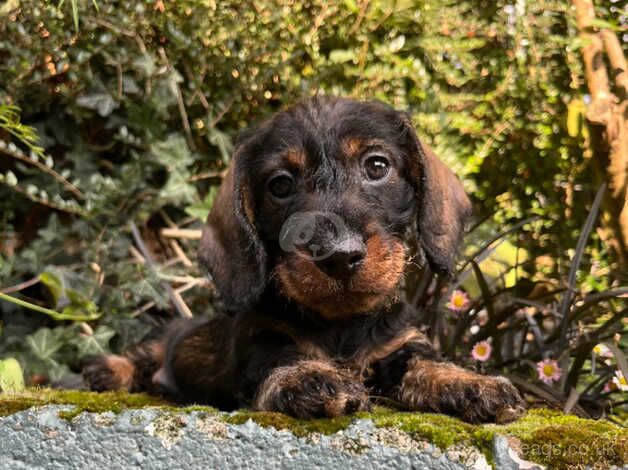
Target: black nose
{"x":344,"y":259}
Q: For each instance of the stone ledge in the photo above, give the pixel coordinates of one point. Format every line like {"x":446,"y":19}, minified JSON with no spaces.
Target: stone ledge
{"x":48,"y":429}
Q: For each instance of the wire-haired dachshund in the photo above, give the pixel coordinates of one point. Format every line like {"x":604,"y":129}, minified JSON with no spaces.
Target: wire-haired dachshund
{"x":307,"y":244}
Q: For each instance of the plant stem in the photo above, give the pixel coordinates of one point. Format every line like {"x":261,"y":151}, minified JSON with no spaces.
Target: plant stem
{"x":54,"y":314}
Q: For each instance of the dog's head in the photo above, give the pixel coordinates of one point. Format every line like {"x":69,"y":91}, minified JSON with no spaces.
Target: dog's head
{"x":321,"y":200}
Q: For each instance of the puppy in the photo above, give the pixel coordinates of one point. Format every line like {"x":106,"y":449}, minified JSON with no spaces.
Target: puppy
{"x":307,"y":244}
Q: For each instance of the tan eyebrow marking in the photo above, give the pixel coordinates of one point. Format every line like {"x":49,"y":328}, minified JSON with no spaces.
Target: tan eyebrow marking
{"x":295,"y":157}
{"x":354,"y":147}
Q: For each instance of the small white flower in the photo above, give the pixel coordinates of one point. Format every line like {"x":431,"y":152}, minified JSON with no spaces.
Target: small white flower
{"x":620,"y":381}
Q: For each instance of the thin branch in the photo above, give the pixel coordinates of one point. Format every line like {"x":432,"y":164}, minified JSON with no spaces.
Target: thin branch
{"x":44,"y":202}
{"x":20,"y":286}
{"x":222,"y":112}
{"x":207,"y":175}
{"x":179,"y":290}
{"x":175,"y":298}
{"x":190,"y":234}
{"x":181,"y":256}
{"x":46,"y":169}
{"x":179,"y":96}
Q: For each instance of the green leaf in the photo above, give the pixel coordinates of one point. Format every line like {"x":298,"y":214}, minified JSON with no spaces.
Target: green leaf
{"x":175,"y":155}
{"x":54,"y":285}
{"x":76,"y":305}
{"x":145,"y":64}
{"x":172,"y":152}
{"x":10,"y":122}
{"x":397,"y":44}
{"x":103,"y":103}
{"x":340,"y":56}
{"x":201,"y":209}
{"x":96,"y":343}
{"x":222,"y":141}
{"x":11,"y":376}
{"x":45,"y":342}
{"x":351,"y":5}
{"x":601,"y":24}
{"x":575,"y":113}
{"x":10,"y":178}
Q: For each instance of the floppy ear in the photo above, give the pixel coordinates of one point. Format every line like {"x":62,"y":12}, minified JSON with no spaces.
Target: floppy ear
{"x":444,"y":208}
{"x":230,"y":248}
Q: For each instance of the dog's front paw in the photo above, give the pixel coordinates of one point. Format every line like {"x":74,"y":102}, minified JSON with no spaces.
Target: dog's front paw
{"x":445,"y":388}
{"x":109,"y":372}
{"x":311,"y":389}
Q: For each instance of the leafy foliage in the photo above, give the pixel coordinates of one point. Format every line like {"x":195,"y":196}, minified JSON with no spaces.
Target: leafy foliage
{"x":137,"y":103}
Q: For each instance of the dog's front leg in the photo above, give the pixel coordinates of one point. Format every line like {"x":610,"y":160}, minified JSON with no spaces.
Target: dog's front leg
{"x":445,"y":388}
{"x":311,"y":388}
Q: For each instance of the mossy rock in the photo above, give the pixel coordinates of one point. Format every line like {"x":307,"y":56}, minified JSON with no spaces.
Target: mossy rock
{"x":550,"y":438}
{"x":93,"y":402}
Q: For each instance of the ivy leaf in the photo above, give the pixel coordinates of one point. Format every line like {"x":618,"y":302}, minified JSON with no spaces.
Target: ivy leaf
{"x":11,"y":376}
{"x":57,"y":371}
{"x":54,"y":285}
{"x":44,"y":343}
{"x":175,"y":155}
{"x":172,"y":152}
{"x":222,"y":141}
{"x":201,"y":209}
{"x":80,"y":302}
{"x":145,"y":64}
{"x":96,"y":343}
{"x":76,"y":305}
{"x":101,"y":102}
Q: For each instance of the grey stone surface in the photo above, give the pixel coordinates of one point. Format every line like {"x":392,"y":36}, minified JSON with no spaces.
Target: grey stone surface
{"x":156,"y":439}
{"x":505,"y":457}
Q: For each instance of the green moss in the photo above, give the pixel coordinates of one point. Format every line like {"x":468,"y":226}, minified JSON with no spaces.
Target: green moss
{"x":441,"y":430}
{"x":548,"y":437}
{"x":202,"y":409}
{"x":296,"y":426}
{"x":12,"y":404}
{"x":565,"y":441}
{"x":82,"y":401}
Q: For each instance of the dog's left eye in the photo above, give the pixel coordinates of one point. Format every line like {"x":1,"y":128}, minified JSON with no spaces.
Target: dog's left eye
{"x":376,"y":167}
{"x":281,"y":185}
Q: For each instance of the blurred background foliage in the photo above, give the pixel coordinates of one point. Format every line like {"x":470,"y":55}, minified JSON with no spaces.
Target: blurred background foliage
{"x":131,"y":109}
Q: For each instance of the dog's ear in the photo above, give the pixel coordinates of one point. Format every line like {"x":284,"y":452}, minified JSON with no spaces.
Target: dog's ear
{"x":230,"y":248}
{"x":443,"y":206}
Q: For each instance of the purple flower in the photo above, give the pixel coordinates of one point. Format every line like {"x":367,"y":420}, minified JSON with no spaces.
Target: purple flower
{"x":548,"y":370}
{"x":481,"y":351}
{"x":458,"y":301}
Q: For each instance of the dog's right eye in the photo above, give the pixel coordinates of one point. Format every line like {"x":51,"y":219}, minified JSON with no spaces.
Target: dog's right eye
{"x":376,"y":167}
{"x":281,"y":186}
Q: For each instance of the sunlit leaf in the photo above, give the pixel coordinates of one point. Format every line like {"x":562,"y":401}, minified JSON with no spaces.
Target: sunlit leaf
{"x":11,"y":376}
{"x":54,"y":285}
